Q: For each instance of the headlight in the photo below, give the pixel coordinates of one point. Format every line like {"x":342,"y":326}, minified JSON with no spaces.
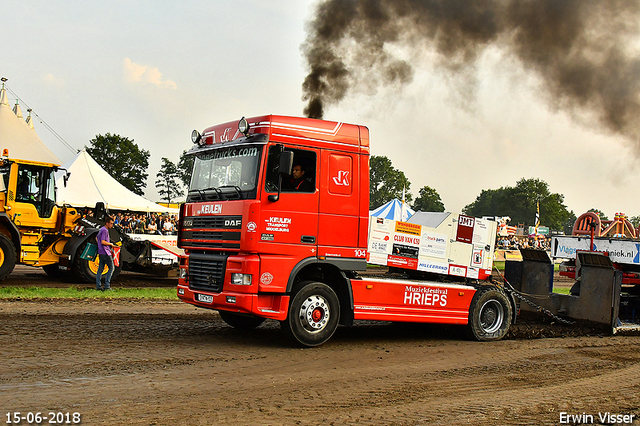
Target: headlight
{"x":243,"y":126}
{"x":241,"y":279}
{"x":196,"y":137}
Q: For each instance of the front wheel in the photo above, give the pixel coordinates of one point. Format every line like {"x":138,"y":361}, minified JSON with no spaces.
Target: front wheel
{"x":489,"y":315}
{"x":241,"y":322}
{"x":7,"y":257}
{"x":314,"y":312}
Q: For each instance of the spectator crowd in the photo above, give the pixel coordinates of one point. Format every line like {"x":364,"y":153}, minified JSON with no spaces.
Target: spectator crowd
{"x":154,"y":223}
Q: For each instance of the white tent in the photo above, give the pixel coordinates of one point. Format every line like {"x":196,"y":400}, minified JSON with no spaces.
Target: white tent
{"x":394,"y":210}
{"x":18,"y":136}
{"x":89,"y":183}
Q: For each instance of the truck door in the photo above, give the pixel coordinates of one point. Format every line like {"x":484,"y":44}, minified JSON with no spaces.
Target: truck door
{"x":292,"y":220}
{"x":339,"y":202}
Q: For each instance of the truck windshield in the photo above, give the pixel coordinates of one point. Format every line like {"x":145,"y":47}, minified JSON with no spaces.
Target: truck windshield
{"x":225,"y":173}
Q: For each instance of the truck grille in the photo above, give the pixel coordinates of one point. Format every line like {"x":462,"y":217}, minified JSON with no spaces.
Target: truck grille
{"x":206,"y":272}
{"x":219,"y":232}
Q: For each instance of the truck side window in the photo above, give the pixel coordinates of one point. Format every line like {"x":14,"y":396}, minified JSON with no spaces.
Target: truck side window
{"x":302,"y":179}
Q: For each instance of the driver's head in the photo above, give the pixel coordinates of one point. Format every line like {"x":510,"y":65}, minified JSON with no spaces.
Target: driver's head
{"x":298,"y":171}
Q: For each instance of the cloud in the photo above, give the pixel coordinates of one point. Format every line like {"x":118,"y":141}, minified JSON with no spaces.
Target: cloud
{"x":53,"y":81}
{"x":135,"y":73}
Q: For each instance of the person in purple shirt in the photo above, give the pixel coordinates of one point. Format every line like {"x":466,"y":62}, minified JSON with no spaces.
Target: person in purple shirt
{"x":105,"y":253}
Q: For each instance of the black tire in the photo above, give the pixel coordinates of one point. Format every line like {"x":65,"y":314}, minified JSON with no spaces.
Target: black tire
{"x":85,"y":270}
{"x":7,"y":257}
{"x":241,"y":322}
{"x":489,"y":315}
{"x":314,"y":313}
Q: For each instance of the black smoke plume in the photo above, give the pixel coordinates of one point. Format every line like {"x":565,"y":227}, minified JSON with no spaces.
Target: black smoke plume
{"x":582,"y":50}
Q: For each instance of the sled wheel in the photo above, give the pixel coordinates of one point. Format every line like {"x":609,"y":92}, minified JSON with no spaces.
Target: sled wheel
{"x":7,"y":257}
{"x":241,"y":322}
{"x":314,"y":312}
{"x":489,"y":315}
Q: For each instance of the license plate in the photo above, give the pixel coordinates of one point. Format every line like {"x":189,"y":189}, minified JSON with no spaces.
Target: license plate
{"x":204,"y":298}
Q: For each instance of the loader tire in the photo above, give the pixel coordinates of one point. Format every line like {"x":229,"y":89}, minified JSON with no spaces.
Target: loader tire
{"x":241,"y":322}
{"x":7,"y":257}
{"x":86,"y":270}
{"x":314,"y":313}
{"x":489,"y":315}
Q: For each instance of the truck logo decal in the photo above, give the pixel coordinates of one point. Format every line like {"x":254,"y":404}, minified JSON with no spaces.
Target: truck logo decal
{"x":251,"y":227}
{"x":266,"y":278}
{"x":278,"y":224}
{"x":210,"y":209}
{"x":342,"y":179}
{"x":225,"y":136}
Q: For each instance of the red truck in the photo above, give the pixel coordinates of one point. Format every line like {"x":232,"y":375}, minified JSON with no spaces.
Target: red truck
{"x":276,"y":225}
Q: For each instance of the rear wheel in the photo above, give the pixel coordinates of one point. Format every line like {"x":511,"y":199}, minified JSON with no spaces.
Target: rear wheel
{"x":241,"y":322}
{"x":7,"y":257}
{"x":314,"y":312}
{"x":86,"y":270}
{"x":489,"y":315}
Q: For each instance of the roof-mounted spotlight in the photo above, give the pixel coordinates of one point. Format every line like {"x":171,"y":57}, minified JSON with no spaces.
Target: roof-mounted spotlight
{"x":243,"y":126}
{"x":196,"y":137}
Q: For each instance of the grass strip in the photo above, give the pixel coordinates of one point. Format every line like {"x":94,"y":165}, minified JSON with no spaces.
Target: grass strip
{"x":74,"y":292}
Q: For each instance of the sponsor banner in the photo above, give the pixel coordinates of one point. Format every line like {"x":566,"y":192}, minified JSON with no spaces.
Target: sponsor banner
{"x":433,"y":244}
{"x":434,"y":267}
{"x":379,"y":247}
{"x":477,"y":256}
{"x":457,"y":270}
{"x":425,"y":296}
{"x":377,"y":259}
{"x":406,"y":240}
{"x":481,"y":234}
{"x":402,"y":262}
{"x":408,"y":228}
{"x":465,"y":229}
{"x":405,"y":251}
{"x":473,"y":273}
{"x":620,"y":251}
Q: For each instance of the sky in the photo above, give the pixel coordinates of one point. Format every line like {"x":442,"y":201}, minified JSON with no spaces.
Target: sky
{"x":153,"y":71}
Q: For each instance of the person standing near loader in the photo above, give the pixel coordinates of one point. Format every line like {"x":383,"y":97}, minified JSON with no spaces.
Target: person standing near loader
{"x":105,"y":254}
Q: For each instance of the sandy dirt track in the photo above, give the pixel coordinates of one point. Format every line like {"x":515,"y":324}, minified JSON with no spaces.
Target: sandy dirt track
{"x":167,"y":363}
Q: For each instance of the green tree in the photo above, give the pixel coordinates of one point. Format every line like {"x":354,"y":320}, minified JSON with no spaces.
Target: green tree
{"x":185,"y":167}
{"x":168,"y":182}
{"x":567,"y":228}
{"x":599,"y":213}
{"x":428,"y":200}
{"x":635,"y":221}
{"x":386,"y":182}
{"x":520,"y":203}
{"x":122,"y":159}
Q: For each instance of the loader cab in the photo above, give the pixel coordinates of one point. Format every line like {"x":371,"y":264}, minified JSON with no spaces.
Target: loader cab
{"x":34,"y":195}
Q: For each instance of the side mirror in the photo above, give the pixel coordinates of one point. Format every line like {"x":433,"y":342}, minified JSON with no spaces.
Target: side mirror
{"x":286,"y":162}
{"x":285,"y":168}
{"x":65,"y":178}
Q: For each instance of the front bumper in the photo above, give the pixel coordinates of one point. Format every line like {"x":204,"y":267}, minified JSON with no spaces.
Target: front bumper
{"x":273,"y":306}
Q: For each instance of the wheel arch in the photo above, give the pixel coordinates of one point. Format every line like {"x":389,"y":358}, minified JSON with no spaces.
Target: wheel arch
{"x":331,"y":273}
{"x":71,"y":248}
{"x":11,"y":230}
